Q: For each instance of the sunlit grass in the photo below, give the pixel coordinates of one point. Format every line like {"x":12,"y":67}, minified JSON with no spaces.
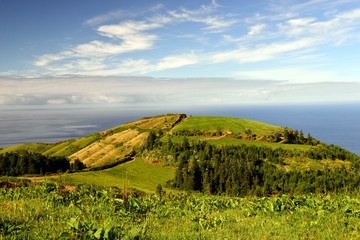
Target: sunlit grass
{"x":136,"y":174}
{"x":235,"y":125}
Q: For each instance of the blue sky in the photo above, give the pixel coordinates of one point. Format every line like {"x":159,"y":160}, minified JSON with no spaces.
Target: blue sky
{"x":183,"y":52}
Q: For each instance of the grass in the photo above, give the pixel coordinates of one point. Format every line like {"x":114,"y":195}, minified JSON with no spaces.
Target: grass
{"x":49,"y":212}
{"x":224,"y":124}
{"x":71,"y":146}
{"x":31,"y":147}
{"x":164,"y":122}
{"x":136,"y":174}
{"x":111,"y":148}
{"x":107,"y":147}
{"x":65,"y":148}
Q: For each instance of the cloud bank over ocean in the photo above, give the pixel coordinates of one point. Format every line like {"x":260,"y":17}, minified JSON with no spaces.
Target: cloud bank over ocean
{"x":155,"y":91}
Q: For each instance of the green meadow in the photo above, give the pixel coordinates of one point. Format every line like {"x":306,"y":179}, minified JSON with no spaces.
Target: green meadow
{"x":48,"y":211}
{"x":224,"y":124}
{"x":135,"y":174}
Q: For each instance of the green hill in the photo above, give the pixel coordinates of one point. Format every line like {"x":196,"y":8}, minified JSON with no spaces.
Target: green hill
{"x":204,"y":150}
{"x":213,"y":175}
{"x":107,"y":147}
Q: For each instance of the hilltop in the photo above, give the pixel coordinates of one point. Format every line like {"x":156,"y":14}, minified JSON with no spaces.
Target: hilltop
{"x":105,"y":148}
{"x":210,"y":154}
{"x":111,"y":146}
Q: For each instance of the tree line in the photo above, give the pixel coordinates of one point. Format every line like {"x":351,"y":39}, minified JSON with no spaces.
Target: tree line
{"x":24,"y":162}
{"x":286,"y":136}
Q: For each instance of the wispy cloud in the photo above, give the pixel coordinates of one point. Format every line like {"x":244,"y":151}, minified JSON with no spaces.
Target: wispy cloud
{"x":214,"y":23}
{"x":132,"y":35}
{"x":115,"y":14}
{"x":119,"y":14}
{"x":262,"y":52}
{"x":288,"y":36}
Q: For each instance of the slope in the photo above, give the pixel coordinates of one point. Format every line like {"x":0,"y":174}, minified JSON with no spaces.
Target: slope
{"x":105,"y":148}
{"x":225,"y":125}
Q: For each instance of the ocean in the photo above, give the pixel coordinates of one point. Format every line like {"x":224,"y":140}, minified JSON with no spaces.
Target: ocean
{"x":336,"y":124}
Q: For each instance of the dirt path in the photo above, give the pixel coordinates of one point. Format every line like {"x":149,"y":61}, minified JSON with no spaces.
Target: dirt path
{"x":213,"y":138}
{"x":132,"y":159}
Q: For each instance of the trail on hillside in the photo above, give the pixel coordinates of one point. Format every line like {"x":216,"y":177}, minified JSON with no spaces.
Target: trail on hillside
{"x":213,"y":138}
{"x":121,"y":164}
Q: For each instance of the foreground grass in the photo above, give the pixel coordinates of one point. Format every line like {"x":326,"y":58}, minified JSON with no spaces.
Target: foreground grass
{"x":47,"y":211}
{"x":136,"y":174}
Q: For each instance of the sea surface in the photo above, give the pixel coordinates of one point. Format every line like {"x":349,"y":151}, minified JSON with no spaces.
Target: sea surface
{"x":337,"y":124}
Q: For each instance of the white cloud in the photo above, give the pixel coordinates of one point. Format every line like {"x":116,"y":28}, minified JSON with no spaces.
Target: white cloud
{"x":261,"y":52}
{"x":177,"y":61}
{"x":256,"y":29}
{"x":204,"y":9}
{"x":119,"y":13}
{"x":131,"y":33}
{"x":215,"y":23}
{"x":105,"y":17}
{"x":284,"y":38}
{"x":166,"y":92}
{"x":295,"y":75}
{"x":128,"y":28}
{"x":339,"y":27}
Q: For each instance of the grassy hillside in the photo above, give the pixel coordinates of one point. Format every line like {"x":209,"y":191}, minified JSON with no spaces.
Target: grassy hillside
{"x":107,"y":147}
{"x":161,"y":122}
{"x":71,"y":146}
{"x":113,"y":145}
{"x":111,"y":148}
{"x":31,"y":147}
{"x":225,"y":125}
{"x":136,"y":174}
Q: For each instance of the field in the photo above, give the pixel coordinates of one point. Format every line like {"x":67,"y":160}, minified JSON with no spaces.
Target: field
{"x":136,"y":174}
{"x":49,"y":211}
{"x":31,"y":147}
{"x":225,"y":124}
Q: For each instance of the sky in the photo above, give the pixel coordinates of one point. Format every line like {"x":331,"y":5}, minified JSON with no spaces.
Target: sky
{"x":145,"y":52}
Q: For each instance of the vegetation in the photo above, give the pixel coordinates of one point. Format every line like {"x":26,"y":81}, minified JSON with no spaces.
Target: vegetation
{"x":135,"y":174}
{"x":30,"y":147}
{"x":107,"y":148}
{"x":224,"y":125}
{"x":51,"y":211}
{"x":219,"y":177}
{"x":21,"y":163}
{"x":254,"y":170}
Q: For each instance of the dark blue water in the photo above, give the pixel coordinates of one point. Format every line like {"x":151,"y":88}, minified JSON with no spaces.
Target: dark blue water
{"x":332,"y":124}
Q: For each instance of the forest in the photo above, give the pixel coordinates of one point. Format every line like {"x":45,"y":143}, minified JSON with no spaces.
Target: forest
{"x":24,"y":162}
{"x":253,"y":170}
